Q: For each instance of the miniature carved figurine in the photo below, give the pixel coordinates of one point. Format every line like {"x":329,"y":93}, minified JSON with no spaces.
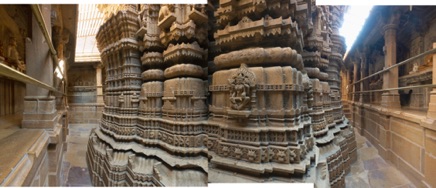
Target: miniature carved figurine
{"x":164,"y":11}
{"x":135,"y":100}
{"x":240,"y":84}
{"x":2,"y":55}
{"x":142,"y":20}
{"x":1,"y":49}
{"x":13,"y":56}
{"x":121,"y":100}
{"x":198,"y":7}
{"x":415,"y":68}
{"x":239,"y":92}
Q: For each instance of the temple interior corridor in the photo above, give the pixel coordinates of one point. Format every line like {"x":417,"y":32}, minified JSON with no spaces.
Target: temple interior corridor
{"x":232,"y":91}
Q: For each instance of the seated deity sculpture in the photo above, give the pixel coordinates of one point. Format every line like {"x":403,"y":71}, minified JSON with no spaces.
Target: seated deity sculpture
{"x":239,"y":92}
{"x":415,"y":68}
{"x":13,"y":57}
{"x":1,"y":49}
{"x":198,"y":7}
{"x":164,"y":11}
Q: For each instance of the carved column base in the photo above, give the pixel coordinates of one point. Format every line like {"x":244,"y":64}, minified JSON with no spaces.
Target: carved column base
{"x":390,"y":100}
{"x":431,"y":113}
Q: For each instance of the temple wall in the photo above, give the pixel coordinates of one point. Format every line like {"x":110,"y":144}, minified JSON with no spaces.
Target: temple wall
{"x":82,"y":100}
{"x":81,"y":85}
{"x":405,"y":139}
{"x":85,"y":113}
{"x":12,"y":97}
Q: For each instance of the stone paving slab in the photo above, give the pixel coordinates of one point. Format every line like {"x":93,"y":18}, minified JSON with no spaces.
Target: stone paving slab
{"x":371,"y":170}
{"x":75,"y":170}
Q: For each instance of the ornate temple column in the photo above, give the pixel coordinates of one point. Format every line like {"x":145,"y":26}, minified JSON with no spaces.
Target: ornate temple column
{"x":355,"y":79}
{"x":344,"y":83}
{"x":390,"y":99}
{"x":98,"y":82}
{"x":363,"y":85}
{"x":350,"y":87}
{"x":431,"y":113}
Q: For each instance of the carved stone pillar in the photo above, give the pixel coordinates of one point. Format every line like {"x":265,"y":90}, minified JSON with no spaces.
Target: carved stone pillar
{"x":355,"y":96}
{"x":98,"y":84}
{"x":431,"y":113}
{"x":390,"y":99}
{"x":363,"y":85}
{"x":39,"y":105}
{"x":350,"y":87}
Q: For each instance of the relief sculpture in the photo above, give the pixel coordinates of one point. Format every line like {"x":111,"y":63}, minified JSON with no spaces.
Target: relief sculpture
{"x":241,"y":85}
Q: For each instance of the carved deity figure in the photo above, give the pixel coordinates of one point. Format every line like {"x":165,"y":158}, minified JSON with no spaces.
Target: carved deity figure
{"x":1,"y":49}
{"x":165,"y":10}
{"x":135,"y":100}
{"x":240,"y":88}
{"x":415,"y":68}
{"x":121,"y":100}
{"x":239,"y":92}
{"x":13,"y":56}
{"x":142,"y":20}
{"x":198,"y":7}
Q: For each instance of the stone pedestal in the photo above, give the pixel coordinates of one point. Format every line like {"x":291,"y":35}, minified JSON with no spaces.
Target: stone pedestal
{"x":39,"y":112}
{"x":390,"y":99}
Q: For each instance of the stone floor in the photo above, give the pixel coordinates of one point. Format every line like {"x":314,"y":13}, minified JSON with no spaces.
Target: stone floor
{"x":371,"y":170}
{"x":74,"y":169}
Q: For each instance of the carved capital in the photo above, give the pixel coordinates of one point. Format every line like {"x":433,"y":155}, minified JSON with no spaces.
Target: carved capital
{"x":98,"y":65}
{"x":390,"y":27}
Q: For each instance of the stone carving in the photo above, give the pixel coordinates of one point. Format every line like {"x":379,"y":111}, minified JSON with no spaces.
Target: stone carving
{"x":162,"y":123}
{"x":13,"y":57}
{"x":135,"y":100}
{"x":415,"y":68}
{"x":166,"y":16}
{"x":121,"y":100}
{"x":2,"y":55}
{"x":252,"y":88}
{"x":241,"y":85}
{"x":165,"y":11}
